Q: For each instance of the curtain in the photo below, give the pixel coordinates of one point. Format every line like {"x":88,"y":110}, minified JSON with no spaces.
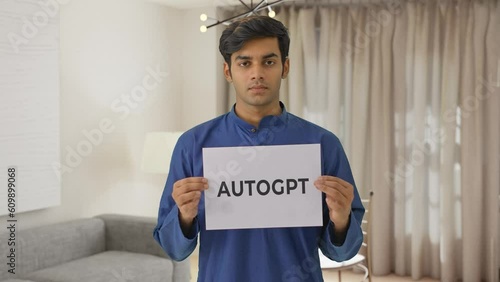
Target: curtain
{"x":412,"y":90}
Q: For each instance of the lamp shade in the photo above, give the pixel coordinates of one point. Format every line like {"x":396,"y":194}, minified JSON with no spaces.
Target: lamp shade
{"x":158,"y":149}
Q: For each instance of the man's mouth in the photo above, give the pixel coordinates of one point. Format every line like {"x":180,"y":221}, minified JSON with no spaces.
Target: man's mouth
{"x":258,"y":87}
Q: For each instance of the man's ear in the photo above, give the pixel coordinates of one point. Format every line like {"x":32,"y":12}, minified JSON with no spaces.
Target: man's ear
{"x":286,"y":68}
{"x":227,"y":73}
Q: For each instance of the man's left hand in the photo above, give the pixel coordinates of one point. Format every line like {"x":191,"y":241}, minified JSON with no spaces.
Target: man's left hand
{"x":339,"y":196}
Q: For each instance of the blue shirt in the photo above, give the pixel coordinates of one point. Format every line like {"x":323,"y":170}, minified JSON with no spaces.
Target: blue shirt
{"x":267,"y":254}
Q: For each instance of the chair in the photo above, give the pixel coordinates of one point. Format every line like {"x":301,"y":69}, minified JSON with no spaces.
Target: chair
{"x":359,"y":260}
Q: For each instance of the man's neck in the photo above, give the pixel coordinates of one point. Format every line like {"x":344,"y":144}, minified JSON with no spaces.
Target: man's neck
{"x":253,"y":115}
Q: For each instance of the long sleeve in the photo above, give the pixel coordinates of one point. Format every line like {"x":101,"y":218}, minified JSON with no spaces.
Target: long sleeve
{"x":168,"y":232}
{"x":349,"y":247}
{"x":336,"y":164}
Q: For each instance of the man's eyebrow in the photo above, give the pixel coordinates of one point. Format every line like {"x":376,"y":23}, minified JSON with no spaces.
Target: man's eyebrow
{"x":243,"y":57}
{"x":271,"y":55}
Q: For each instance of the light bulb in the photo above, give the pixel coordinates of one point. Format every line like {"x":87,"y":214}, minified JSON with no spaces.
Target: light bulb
{"x":203,"y":17}
{"x":203,"y":28}
{"x":271,"y":13}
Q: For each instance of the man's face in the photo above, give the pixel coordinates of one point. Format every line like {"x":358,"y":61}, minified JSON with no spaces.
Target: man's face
{"x":256,"y":72}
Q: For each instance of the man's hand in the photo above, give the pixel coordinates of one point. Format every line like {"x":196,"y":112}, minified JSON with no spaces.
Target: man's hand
{"x":339,"y":196}
{"x":187,"y":195}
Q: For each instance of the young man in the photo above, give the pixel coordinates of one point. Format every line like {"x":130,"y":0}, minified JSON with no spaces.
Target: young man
{"x":255,"y":51}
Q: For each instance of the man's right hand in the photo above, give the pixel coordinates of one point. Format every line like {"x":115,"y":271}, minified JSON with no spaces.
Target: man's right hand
{"x":187,"y":195}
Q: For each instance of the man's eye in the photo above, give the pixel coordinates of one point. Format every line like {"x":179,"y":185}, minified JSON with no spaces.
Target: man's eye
{"x":269,"y":63}
{"x":244,"y":64}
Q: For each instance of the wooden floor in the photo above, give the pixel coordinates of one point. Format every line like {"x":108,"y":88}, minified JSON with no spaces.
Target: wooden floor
{"x":329,"y":275}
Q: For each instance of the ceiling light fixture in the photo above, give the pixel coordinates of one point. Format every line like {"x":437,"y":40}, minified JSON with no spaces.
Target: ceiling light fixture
{"x":271,"y":12}
{"x":264,"y":4}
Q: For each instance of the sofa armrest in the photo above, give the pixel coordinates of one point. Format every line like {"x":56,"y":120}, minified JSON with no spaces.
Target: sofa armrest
{"x":131,"y":234}
{"x":135,"y":234}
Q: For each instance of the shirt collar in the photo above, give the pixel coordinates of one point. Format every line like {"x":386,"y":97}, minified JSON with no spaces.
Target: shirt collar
{"x":266,"y":121}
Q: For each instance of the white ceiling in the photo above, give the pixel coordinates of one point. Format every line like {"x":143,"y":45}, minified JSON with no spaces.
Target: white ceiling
{"x":189,"y":4}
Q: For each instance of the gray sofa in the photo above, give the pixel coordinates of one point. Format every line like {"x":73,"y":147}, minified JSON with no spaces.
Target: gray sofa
{"x":105,"y":248}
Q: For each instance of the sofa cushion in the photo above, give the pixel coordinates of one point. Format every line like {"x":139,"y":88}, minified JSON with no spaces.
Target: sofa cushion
{"x":110,"y":266}
{"x":41,"y":247}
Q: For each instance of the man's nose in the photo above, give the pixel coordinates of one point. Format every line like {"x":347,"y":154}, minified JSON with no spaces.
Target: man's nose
{"x":257,"y":72}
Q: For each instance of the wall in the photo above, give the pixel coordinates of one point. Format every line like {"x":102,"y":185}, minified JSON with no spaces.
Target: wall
{"x":113,"y":56}
{"x":203,"y":78}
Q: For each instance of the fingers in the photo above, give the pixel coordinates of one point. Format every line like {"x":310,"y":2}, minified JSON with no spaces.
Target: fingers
{"x":339,"y":195}
{"x":333,"y":178}
{"x":331,"y":184}
{"x":187,"y":185}
{"x":338,"y":202}
{"x":187,"y":194}
{"x":188,"y":204}
{"x":191,"y":184}
{"x":186,"y":198}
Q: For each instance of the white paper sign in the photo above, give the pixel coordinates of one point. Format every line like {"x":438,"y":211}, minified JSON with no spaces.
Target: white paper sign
{"x":262,"y":186}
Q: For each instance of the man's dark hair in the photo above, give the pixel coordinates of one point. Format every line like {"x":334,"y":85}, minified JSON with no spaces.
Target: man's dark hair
{"x":245,"y":29}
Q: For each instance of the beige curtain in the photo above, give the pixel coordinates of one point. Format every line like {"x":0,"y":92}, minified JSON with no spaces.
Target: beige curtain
{"x":412,"y":90}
